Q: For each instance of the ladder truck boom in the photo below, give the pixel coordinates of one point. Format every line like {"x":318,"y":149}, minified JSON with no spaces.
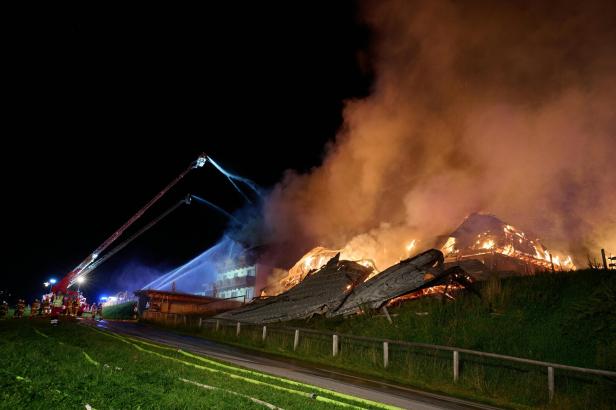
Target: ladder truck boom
{"x":62,"y":285}
{"x":118,"y":248}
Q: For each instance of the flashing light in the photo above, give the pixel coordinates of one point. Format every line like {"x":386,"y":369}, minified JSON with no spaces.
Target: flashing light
{"x":52,"y":281}
{"x":46,"y":284}
{"x":80,"y":280}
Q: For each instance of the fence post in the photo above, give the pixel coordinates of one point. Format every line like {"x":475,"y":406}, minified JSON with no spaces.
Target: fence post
{"x":217,"y":324}
{"x":264,"y":333}
{"x":456,"y":365}
{"x":551,"y":382}
{"x":237,"y":330}
{"x":296,"y":340}
{"x":385,"y":354}
{"x":200,"y":322}
{"x":335,"y":345}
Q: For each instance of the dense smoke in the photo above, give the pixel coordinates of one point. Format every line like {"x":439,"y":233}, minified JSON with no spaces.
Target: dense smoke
{"x":501,"y":107}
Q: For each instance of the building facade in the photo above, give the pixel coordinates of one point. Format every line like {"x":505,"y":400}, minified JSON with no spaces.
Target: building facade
{"x":243,"y":284}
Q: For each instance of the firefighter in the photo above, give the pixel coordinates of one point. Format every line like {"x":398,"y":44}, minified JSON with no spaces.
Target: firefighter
{"x":56,"y":304}
{"x":75,"y":307}
{"x":21,"y":306}
{"x":4,"y":309}
{"x":69,"y":306}
{"x":135,"y":310}
{"x":34,"y":311}
{"x":99,"y":311}
{"x":65,"y":305}
{"x":46,"y":306}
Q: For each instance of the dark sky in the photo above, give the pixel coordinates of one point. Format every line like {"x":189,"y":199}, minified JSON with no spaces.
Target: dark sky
{"x":106,"y":107}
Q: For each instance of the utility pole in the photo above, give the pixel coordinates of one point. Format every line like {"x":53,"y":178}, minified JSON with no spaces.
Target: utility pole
{"x":603,"y":257}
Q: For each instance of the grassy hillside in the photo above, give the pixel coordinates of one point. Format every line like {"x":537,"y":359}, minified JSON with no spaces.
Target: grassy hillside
{"x":567,"y":318}
{"x":71,"y":366}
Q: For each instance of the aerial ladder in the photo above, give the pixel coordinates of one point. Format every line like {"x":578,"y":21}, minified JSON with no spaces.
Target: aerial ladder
{"x":88,"y":264}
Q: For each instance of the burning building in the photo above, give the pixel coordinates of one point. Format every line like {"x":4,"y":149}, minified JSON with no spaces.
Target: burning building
{"x":500,"y":247}
{"x":326,"y":282}
{"x":343,"y":287}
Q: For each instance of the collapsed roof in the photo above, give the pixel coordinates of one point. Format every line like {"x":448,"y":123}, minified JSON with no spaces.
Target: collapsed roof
{"x":341,"y":288}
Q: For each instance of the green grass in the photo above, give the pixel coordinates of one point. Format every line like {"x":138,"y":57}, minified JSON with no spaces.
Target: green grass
{"x":568,"y":318}
{"x":71,"y":365}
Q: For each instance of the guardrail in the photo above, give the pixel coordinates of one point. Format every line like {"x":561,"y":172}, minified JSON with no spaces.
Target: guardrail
{"x":337,"y":338}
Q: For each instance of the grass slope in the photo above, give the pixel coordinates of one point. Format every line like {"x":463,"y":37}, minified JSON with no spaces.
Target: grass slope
{"x":69,"y":366}
{"x":567,"y":318}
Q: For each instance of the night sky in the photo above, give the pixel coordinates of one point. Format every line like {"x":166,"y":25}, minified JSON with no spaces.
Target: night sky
{"x":106,"y":108}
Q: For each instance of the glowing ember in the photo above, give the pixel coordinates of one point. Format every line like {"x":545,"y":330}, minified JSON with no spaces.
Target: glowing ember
{"x":437,"y":290}
{"x":450,"y":246}
{"x":489,"y":244}
{"x":310,"y":262}
{"x":410,"y":246}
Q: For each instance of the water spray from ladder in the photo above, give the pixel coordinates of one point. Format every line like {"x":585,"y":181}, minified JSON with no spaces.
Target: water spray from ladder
{"x":232,"y":178}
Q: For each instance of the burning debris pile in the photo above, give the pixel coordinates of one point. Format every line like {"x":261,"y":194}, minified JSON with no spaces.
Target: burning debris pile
{"x":343,"y":282}
{"x":344,"y":287}
{"x":309,"y":264}
{"x":501,"y":247}
{"x":319,"y":293}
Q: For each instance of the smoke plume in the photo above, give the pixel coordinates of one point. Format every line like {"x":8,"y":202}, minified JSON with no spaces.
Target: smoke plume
{"x":500,"y":107}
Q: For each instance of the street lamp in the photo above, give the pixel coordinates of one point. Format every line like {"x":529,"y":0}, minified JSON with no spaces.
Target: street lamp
{"x":80,"y":280}
{"x":49,"y":283}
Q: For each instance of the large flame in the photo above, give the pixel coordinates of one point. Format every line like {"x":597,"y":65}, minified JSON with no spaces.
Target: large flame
{"x":364,"y":252}
{"x":509,"y":241}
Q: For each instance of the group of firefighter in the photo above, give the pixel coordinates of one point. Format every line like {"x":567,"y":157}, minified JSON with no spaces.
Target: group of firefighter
{"x":53,"y":305}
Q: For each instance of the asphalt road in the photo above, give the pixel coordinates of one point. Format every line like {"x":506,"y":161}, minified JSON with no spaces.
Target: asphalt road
{"x":325,"y":378}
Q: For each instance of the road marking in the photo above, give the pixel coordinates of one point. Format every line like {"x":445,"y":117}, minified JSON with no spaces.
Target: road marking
{"x":205,"y":386}
{"x":267,"y":376}
{"x":235,"y":376}
{"x":88,"y":358}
